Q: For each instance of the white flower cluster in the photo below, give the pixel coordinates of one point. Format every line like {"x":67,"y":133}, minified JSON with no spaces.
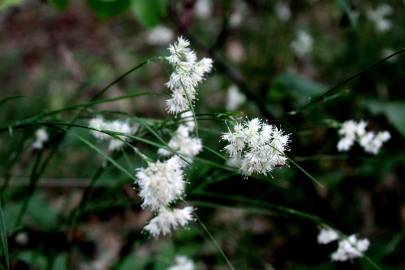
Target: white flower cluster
{"x":41,"y":137}
{"x":352,"y":131}
{"x":168,"y":220}
{"x":348,"y":248}
{"x":183,"y":144}
{"x":326,"y":236}
{"x":116,"y":126}
{"x":162,"y":183}
{"x":378,"y":17}
{"x":187,"y":74}
{"x":234,"y":98}
{"x":302,"y":44}
{"x":182,"y":263}
{"x":256,"y":147}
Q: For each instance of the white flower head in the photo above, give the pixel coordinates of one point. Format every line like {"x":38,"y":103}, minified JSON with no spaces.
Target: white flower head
{"x":257,"y":146}
{"x":302,"y":44}
{"x":188,"y":72}
{"x":182,"y":263}
{"x":161,"y":183}
{"x":41,"y":137}
{"x":168,"y":220}
{"x":160,"y":35}
{"x":350,"y":248}
{"x":326,"y":236}
{"x":183,"y":144}
{"x":117,"y":126}
{"x":352,"y":131}
{"x":283,"y":11}
{"x":234,"y":98}
{"x":378,"y":17}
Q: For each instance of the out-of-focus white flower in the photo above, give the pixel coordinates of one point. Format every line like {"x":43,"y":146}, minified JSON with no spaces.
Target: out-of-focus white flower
{"x":257,"y":146}
{"x":187,"y":74}
{"x":161,"y":183}
{"x":302,"y":44}
{"x":182,"y":143}
{"x":117,"y":126}
{"x":160,"y":35}
{"x":283,"y":11}
{"x":234,"y":98}
{"x":326,"y":236}
{"x":182,"y":263}
{"x":168,"y":220}
{"x":41,"y":137}
{"x":352,"y":131}
{"x":372,"y":142}
{"x":350,"y":248}
{"x":203,"y":8}
{"x":378,"y":17}
{"x":238,"y":14}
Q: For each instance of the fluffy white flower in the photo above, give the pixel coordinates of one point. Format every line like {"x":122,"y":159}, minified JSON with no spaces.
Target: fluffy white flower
{"x":160,"y":35}
{"x":203,"y":8}
{"x":302,"y":44}
{"x":372,"y":142}
{"x":111,"y":126}
{"x":41,"y":137}
{"x":350,"y":248}
{"x":183,"y":143}
{"x":168,"y":220}
{"x":378,"y":17}
{"x":187,"y":74}
{"x":326,"y":236}
{"x":188,"y":120}
{"x":161,"y":183}
{"x":283,"y":11}
{"x":234,"y":98}
{"x":352,"y":131}
{"x":182,"y":263}
{"x":257,"y":146}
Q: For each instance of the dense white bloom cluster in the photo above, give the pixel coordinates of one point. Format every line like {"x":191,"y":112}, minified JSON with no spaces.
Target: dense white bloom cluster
{"x":283,"y":11}
{"x":183,"y":144}
{"x":182,"y":263}
{"x":160,"y":35}
{"x":352,"y":131}
{"x":41,"y":137}
{"x":161,"y":183}
{"x":234,"y":98}
{"x":117,"y":126}
{"x":378,"y":17}
{"x":187,"y":74}
{"x":302,"y":44}
{"x":326,"y":236}
{"x":256,"y":146}
{"x":350,"y":248}
{"x":168,"y":220}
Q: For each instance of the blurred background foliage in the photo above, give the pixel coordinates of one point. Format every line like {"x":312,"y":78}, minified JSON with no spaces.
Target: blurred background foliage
{"x":59,"y":53}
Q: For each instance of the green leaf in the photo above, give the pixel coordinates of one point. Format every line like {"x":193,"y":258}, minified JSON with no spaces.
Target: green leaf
{"x":149,"y":12}
{"x":60,"y":4}
{"x":393,"y":111}
{"x":9,"y":3}
{"x":3,"y":236}
{"x":108,"y":8}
